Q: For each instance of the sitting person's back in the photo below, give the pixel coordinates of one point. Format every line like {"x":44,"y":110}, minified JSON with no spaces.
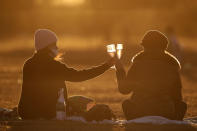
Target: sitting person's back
{"x":43,"y":77}
{"x":41,"y":83}
{"x":154,"y":79}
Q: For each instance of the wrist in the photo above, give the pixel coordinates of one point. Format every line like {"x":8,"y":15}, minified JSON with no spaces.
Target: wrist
{"x":107,"y":65}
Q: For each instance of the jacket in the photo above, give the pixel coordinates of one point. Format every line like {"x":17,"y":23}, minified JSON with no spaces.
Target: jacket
{"x":42,"y":78}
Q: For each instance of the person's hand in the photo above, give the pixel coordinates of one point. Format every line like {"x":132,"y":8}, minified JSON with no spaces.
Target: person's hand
{"x":111,"y":61}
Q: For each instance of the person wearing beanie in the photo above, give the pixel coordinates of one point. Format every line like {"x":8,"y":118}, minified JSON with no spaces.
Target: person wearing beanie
{"x":43,"y":77}
{"x":154,"y":81}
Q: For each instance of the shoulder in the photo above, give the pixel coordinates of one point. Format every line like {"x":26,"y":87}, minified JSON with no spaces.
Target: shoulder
{"x":28,"y":62}
{"x":32,"y":61}
{"x":172,"y":60}
{"x":59,"y":63}
{"x":164,"y":59}
{"x":137,"y":57}
{"x":60,"y":66}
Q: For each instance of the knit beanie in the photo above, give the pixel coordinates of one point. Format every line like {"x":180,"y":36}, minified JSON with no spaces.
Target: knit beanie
{"x":154,"y":39}
{"x":43,"y":38}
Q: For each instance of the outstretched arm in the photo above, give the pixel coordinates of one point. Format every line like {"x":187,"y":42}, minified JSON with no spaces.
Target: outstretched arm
{"x":73,"y":75}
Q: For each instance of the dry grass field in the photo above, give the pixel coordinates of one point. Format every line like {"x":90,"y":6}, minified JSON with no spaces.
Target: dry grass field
{"x":103,"y":88}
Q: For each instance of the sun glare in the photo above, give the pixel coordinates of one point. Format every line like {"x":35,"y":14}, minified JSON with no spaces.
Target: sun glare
{"x":68,"y":2}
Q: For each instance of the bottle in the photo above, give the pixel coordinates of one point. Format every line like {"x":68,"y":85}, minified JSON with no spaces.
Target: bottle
{"x":60,"y":106}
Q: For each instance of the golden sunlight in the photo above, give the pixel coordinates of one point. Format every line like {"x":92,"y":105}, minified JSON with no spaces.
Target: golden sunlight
{"x":68,"y":2}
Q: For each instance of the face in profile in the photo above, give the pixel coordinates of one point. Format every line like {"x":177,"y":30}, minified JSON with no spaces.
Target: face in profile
{"x":54,"y":49}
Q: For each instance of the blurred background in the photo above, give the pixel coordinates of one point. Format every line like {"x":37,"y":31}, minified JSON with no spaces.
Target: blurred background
{"x":84,"y":28}
{"x":84,"y":24}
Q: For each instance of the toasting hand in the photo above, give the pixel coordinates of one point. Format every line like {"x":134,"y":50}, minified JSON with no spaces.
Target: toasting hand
{"x":111,"y":62}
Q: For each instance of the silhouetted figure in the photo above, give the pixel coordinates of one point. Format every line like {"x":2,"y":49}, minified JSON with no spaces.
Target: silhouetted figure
{"x":43,"y":76}
{"x":154,"y":80}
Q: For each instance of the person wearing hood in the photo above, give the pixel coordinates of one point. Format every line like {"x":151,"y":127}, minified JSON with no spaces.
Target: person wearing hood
{"x":154,"y":81}
{"x":43,"y":76}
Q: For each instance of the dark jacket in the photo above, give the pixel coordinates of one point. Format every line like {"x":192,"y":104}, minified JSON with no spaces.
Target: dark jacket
{"x":42,"y":78}
{"x":153,"y":77}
